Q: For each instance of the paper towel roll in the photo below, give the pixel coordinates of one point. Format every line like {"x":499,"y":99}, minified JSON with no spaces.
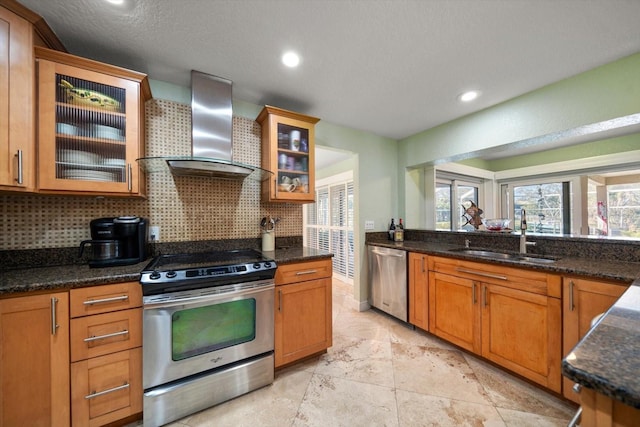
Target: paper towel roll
{"x":268,"y":241}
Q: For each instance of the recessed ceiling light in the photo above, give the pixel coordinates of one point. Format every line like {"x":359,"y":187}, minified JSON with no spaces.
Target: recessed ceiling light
{"x":116,"y":2}
{"x":469,"y":96}
{"x":291,"y":59}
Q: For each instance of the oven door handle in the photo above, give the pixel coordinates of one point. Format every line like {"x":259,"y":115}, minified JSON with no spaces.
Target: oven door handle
{"x":153,"y":302}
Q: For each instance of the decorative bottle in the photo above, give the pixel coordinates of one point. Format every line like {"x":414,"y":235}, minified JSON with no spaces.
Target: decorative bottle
{"x":398,"y":235}
{"x":392,"y":230}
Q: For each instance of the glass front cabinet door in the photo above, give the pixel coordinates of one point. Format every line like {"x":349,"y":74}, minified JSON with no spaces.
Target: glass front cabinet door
{"x":288,"y":150}
{"x":90,"y":126}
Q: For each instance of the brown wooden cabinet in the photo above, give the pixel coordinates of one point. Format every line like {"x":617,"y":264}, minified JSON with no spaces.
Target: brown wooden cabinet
{"x":508,"y":315}
{"x":583,"y":300}
{"x":288,"y":150}
{"x":418,"y":290}
{"x":454,"y":311}
{"x":106,"y":353}
{"x":90,"y":126}
{"x":599,"y":410}
{"x":34,"y":360}
{"x":303,"y":320}
{"x":17,"y":129}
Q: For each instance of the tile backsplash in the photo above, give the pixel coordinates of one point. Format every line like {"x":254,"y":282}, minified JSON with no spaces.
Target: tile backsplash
{"x":185,"y":208}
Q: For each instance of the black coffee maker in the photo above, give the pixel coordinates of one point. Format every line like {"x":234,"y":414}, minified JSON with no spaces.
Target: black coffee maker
{"x":117,"y":241}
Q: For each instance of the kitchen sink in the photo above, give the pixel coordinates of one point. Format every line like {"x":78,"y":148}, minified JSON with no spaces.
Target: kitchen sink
{"x":504,"y":255}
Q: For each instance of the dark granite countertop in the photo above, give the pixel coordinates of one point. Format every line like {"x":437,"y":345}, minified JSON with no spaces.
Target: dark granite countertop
{"x":606,"y":359}
{"x":30,"y":279}
{"x":622,"y":271}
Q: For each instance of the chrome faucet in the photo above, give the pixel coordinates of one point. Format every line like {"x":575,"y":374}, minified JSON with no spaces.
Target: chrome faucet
{"x":523,"y":233}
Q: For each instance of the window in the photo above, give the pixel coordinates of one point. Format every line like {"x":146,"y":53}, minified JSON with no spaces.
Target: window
{"x":547,"y":205}
{"x":453,"y":196}
{"x":614,"y":206}
{"x":328,"y":225}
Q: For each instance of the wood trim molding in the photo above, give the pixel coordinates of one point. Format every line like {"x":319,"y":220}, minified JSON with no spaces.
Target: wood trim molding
{"x":40,"y":26}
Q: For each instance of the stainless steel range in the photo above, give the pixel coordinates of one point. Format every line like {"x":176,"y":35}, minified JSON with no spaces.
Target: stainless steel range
{"x":207,"y":330}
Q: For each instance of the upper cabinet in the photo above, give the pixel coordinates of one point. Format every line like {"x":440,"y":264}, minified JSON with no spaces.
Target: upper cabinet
{"x":17,"y":131}
{"x":288,"y":150}
{"x":90,"y":126}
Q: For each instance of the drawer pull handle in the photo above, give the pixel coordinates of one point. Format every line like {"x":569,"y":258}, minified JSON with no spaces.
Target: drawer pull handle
{"x":101,"y":337}
{"x":111,"y":390}
{"x":481,"y":273}
{"x":302,"y":273}
{"x":105,"y":300}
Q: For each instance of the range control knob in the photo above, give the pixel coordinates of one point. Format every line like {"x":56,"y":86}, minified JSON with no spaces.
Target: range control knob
{"x":256,"y":266}
{"x":267,"y":265}
{"x":171,"y":274}
{"x":154,"y":276}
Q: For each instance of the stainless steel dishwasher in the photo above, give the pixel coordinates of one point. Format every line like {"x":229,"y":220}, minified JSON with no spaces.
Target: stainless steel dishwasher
{"x":388,"y":280}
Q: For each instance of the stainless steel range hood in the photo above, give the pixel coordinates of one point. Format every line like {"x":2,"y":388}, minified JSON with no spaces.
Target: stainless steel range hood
{"x":211,"y":135}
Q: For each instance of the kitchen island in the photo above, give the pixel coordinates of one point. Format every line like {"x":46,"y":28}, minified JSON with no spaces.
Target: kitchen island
{"x":606,"y":364}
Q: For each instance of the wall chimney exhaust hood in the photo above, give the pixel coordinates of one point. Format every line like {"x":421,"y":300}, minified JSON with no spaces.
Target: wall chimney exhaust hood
{"x":211,"y":136}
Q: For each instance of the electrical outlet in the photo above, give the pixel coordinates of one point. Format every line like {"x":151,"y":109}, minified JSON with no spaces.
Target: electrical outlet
{"x":369,"y":225}
{"x":154,"y":233}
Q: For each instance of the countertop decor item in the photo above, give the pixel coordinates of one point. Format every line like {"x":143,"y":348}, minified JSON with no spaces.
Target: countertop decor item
{"x":496,"y":224}
{"x":472,"y":215}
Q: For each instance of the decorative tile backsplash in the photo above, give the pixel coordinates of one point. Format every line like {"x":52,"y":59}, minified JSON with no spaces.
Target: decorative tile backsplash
{"x":185,"y":208}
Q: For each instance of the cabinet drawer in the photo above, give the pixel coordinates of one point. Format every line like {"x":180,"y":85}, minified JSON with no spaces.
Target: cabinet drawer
{"x":106,"y":333}
{"x":107,"y":388}
{"x":299,"y":272}
{"x":105,"y":298}
{"x":517,"y":278}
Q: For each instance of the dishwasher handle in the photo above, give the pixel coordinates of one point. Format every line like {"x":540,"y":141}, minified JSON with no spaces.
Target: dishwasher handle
{"x":392,"y":254}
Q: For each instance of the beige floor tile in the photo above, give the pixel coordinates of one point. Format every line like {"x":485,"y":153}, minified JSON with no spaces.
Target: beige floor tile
{"x":507,"y":391}
{"x":420,"y":410}
{"x":403,"y":334}
{"x":366,"y":324}
{"x":436,"y":372}
{"x":336,"y":402}
{"x":526,"y":419}
{"x":358,"y":359}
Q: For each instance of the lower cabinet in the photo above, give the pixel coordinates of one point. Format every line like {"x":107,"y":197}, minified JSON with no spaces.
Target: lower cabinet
{"x":303,"y":315}
{"x":106,"y":388}
{"x":599,"y":410}
{"x":583,"y":300}
{"x":418,"y":290}
{"x":106,"y":353}
{"x":507,"y":315}
{"x":34,"y":360}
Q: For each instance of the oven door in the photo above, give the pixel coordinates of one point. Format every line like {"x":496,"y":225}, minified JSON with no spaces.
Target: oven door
{"x":185,"y":333}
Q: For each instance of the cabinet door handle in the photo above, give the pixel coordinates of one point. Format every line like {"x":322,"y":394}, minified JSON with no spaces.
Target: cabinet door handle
{"x":101,"y":337}
{"x":571,"y":302}
{"x":280,"y":300}
{"x":20,"y":178}
{"x":481,"y":273}
{"x":111,"y":390}
{"x":474,"y":300}
{"x":422,"y":259}
{"x":484,"y":296}
{"x":129,"y":177}
{"x":302,"y":273}
{"x":105,"y":300}
{"x":54,"y":320}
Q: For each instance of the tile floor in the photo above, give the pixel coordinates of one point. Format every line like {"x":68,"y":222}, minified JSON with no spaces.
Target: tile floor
{"x":379,"y":372}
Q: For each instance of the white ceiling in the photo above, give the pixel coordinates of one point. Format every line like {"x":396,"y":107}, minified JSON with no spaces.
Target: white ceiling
{"x":392,"y":68}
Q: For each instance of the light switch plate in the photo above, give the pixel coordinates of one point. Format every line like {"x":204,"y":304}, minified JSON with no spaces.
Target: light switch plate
{"x":369,"y":224}
{"x":154,"y":233}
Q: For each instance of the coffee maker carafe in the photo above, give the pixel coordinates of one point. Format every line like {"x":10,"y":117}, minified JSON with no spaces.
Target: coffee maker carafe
{"x":117,"y":241}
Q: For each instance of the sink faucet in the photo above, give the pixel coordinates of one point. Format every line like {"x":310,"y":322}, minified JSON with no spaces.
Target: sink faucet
{"x":523,"y":233}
